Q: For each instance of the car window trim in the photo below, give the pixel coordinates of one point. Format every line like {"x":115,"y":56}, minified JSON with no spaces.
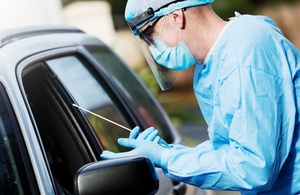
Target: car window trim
{"x":82,"y":51}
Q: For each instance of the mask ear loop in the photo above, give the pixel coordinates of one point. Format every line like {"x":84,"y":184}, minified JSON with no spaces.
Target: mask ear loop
{"x":180,"y":36}
{"x":162,"y":26}
{"x":180,"y":33}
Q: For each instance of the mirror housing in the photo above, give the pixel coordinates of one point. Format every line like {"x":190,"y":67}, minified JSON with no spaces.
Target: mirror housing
{"x":130,"y":175}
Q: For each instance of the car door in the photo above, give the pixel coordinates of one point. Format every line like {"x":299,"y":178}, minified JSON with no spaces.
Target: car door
{"x":16,"y":172}
{"x":92,"y":78}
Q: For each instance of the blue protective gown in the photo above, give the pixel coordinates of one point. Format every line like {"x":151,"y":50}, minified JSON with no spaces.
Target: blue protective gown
{"x":248,"y":89}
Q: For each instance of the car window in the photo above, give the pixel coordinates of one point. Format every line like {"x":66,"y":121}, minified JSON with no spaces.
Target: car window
{"x":141,"y":100}
{"x":14,"y":166}
{"x":89,"y":93}
{"x":68,"y":138}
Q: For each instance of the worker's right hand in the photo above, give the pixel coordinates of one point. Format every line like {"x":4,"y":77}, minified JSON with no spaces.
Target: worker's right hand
{"x":150,"y":134}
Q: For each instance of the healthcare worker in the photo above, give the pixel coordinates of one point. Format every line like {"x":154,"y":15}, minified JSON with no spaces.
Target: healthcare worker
{"x":247,"y":84}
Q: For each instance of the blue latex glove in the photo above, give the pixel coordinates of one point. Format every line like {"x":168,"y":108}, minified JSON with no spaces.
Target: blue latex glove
{"x":149,"y":134}
{"x":146,"y":148}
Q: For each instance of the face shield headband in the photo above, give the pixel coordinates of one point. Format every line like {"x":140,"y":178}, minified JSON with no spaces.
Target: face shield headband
{"x":148,"y":15}
{"x":164,"y":76}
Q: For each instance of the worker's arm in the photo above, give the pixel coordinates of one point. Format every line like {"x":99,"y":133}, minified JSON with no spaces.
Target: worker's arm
{"x":251,"y":130}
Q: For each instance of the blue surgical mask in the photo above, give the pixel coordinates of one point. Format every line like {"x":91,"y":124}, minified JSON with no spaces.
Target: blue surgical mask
{"x":174,"y":58}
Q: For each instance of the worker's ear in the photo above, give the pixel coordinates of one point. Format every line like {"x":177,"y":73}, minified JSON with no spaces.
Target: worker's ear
{"x":178,"y":18}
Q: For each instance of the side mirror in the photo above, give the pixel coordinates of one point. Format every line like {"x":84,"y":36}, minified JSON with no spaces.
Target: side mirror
{"x":130,"y":175}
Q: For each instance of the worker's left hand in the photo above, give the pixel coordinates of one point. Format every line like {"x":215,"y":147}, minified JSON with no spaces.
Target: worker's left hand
{"x":146,"y":148}
{"x":150,"y":134}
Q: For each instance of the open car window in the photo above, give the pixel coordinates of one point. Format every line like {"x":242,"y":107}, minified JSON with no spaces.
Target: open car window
{"x":90,"y":92}
{"x":51,"y":86}
{"x":70,"y":141}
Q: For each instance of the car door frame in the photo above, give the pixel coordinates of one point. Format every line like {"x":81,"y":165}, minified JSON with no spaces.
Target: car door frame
{"x":55,"y":53}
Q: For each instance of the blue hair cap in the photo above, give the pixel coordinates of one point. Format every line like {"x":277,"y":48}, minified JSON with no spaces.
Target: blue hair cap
{"x":135,"y":8}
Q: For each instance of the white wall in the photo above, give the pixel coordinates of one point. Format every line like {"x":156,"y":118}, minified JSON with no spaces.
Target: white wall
{"x":15,"y":13}
{"x":95,"y":18}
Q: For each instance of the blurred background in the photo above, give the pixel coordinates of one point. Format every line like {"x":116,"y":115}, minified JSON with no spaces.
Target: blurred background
{"x":104,"y":20}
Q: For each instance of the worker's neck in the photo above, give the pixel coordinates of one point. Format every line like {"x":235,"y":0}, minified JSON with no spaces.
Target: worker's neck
{"x":201,"y":32}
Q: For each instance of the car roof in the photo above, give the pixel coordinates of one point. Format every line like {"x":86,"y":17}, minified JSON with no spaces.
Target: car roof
{"x":17,"y":44}
{"x":10,"y":35}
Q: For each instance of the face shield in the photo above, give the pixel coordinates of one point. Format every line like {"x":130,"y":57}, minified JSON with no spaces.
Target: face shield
{"x":137,"y":15}
{"x":164,"y":76}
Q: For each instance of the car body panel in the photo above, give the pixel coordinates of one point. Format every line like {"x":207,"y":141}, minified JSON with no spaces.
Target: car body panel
{"x":22,"y":47}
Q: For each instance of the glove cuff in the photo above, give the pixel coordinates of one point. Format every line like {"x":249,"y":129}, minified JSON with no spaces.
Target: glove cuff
{"x":164,"y":158}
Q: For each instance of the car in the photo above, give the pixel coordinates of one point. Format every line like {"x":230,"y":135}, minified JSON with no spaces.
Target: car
{"x":49,"y":145}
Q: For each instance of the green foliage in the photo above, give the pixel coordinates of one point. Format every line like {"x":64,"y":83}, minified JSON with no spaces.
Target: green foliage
{"x":226,"y":8}
{"x":145,"y":73}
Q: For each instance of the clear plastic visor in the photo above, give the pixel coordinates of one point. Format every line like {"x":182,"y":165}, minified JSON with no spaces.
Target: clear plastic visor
{"x":164,"y":76}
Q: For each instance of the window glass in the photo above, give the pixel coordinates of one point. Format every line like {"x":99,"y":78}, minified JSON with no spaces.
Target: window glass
{"x":87,"y":91}
{"x":13,"y":177}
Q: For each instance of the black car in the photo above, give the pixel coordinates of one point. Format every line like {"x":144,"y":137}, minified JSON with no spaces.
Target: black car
{"x":50,"y":146}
